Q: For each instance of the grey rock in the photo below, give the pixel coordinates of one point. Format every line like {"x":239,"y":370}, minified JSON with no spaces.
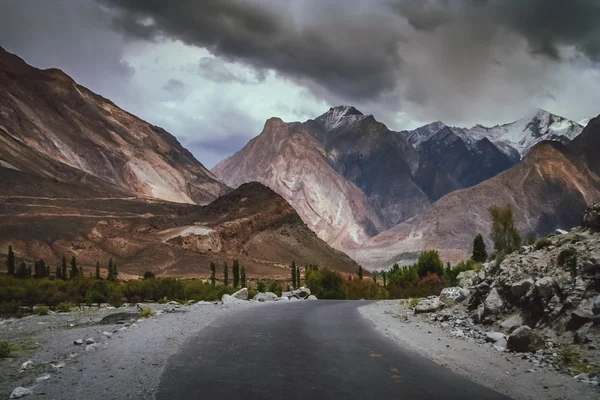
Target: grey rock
{"x":526,"y":249}
{"x":545,"y":288}
{"x":591,"y":217}
{"x":493,"y":303}
{"x":428,"y":305}
{"x":43,"y":378}
{"x":20,"y":392}
{"x":525,"y":339}
{"x":27,"y":365}
{"x":501,"y":343}
{"x":493,"y":337}
{"x":90,"y":341}
{"x":582,"y":377}
{"x":453,"y":294}
{"x":560,"y":232}
{"x":227,"y":299}
{"x":465,"y":279}
{"x":241,"y":294}
{"x":312,"y":297}
{"x":267,"y":296}
{"x":107,"y":334}
{"x":520,"y":288}
{"x":596,"y":305}
{"x":78,"y":342}
{"x":512,"y":322}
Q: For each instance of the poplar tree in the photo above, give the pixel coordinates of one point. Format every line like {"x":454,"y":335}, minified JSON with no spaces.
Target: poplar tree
{"x":213,"y":270}
{"x":10,"y":261}
{"x":294,"y":275}
{"x":360,"y":272}
{"x":225,"y":274}
{"x":236,"y":273}
{"x":479,"y":251}
{"x":243,"y":276}
{"x":63,"y":274}
{"x":97,"y":270}
{"x":74,"y":269}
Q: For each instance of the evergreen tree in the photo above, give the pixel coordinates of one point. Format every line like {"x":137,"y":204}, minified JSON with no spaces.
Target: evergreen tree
{"x":213,"y":270}
{"x":110,"y":269}
{"x":298,"y":276}
{"x":74,"y":269}
{"x":505,"y":235}
{"x":430,"y":263}
{"x":58,"y":274}
{"x":360,"y":272}
{"x":236,"y":273}
{"x":21,"y":271}
{"x":225,"y":274}
{"x":479,"y":251}
{"x":63,"y":274}
{"x":97,"y":270}
{"x":10,"y":261}
{"x":294,"y":275}
{"x":384,"y":276}
{"x":375,"y":277}
{"x":39,"y":269}
{"x":243,"y":276}
{"x":115,"y":273}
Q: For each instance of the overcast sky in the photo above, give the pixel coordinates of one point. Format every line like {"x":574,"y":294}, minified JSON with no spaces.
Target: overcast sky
{"x":212,"y":71}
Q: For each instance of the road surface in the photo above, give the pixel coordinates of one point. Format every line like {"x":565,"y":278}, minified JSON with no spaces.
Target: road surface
{"x":306,"y":350}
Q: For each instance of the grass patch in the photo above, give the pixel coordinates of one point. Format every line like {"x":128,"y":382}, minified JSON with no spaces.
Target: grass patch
{"x":413,"y":302}
{"x":41,"y":310}
{"x":64,"y":307}
{"x":570,"y":358}
{"x":5,"y":349}
{"x":542,"y":243}
{"x":146,"y":312}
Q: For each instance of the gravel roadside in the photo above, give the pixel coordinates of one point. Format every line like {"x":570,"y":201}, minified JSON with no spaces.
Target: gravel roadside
{"x":126,"y":365}
{"x":483,"y":364}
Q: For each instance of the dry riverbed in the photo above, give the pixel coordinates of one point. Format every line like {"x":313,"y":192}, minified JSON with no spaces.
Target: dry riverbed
{"x":504,"y":372}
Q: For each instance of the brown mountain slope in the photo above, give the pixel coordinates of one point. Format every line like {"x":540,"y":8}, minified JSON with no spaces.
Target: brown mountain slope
{"x":48,"y":121}
{"x":251,"y":224}
{"x":550,"y":188}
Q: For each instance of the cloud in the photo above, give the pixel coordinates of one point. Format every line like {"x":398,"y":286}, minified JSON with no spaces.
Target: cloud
{"x":174,"y":86}
{"x":351,"y":56}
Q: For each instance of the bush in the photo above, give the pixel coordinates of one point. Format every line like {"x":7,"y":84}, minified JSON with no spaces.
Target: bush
{"x":5,"y":349}
{"x":149,"y":275}
{"x":146,"y":312}
{"x":42,"y":310}
{"x":413,"y":302}
{"x":261,"y":286}
{"x":542,"y":243}
{"x":505,"y":235}
{"x":430,"y":263}
{"x":64,"y":307}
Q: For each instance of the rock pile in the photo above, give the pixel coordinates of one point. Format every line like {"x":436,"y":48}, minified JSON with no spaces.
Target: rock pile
{"x":242,"y":295}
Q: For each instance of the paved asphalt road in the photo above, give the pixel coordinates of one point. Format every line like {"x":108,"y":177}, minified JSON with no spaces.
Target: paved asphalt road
{"x":306,"y":350}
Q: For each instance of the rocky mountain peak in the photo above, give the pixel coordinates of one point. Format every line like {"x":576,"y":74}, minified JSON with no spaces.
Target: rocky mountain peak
{"x":338,"y":116}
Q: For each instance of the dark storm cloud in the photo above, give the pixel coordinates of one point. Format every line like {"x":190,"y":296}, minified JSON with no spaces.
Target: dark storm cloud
{"x":173,"y":86}
{"x":350,"y":55}
{"x":545,"y":24}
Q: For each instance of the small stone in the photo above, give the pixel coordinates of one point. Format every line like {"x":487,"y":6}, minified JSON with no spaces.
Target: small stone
{"x":90,"y":341}
{"x":27,"y":365}
{"x":78,"y":342}
{"x":20,"y":392}
{"x":42,"y":378}
{"x":107,"y":334}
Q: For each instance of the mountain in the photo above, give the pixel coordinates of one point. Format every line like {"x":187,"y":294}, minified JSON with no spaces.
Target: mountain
{"x":525,"y":133}
{"x":550,"y":188}
{"x":81,"y":177}
{"x":53,"y":127}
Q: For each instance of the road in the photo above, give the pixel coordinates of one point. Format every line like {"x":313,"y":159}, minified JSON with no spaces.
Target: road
{"x":306,"y":350}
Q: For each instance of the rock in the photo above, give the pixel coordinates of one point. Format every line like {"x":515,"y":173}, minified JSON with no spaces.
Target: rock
{"x":478,"y":315}
{"x":596,"y":305}
{"x":284,"y":298}
{"x":493,"y":337}
{"x":482,"y":288}
{"x":493,"y":303}
{"x":27,"y":365}
{"x":591,"y":217}
{"x":427,"y":305}
{"x":520,"y":288}
{"x":524,"y":339}
{"x":582,"y":377}
{"x":453,"y":295}
{"x":560,"y":232}
{"x":90,"y":341}
{"x":43,"y":378}
{"x":241,"y":294}
{"x":92,"y":347}
{"x":312,"y":297}
{"x":512,"y":322}
{"x":581,"y":336}
{"x":267,"y":296}
{"x":227,"y":299}
{"x":301,"y":293}
{"x":465,"y":279}
{"x":56,"y":367}
{"x":500,"y":344}
{"x":20,"y":392}
{"x":526,"y":249}
{"x":107,"y":334}
{"x":78,"y":342}
{"x":544,"y":288}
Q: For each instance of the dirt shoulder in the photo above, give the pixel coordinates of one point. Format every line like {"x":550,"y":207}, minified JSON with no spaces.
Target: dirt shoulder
{"x":507,"y":373}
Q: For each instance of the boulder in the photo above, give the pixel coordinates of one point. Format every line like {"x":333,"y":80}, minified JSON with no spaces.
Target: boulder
{"x":511,"y":323}
{"x":591,"y":217}
{"x":526,"y":249}
{"x":268,"y":296}
{"x":545,"y":288}
{"x":596,"y":305}
{"x":453,"y":295}
{"x":500,"y":344}
{"x":493,"y":337}
{"x":78,"y":342}
{"x":20,"y":392}
{"x":520,"y":288}
{"x":427,"y":305}
{"x":241,"y":294}
{"x":465,"y":279}
{"x":493,"y":303}
{"x":301,"y":293}
{"x":560,"y":232}
{"x":312,"y":297}
{"x":27,"y":365}
{"x":525,"y":339}
{"x":107,"y":334}
{"x":90,"y":341}
{"x":227,"y":299}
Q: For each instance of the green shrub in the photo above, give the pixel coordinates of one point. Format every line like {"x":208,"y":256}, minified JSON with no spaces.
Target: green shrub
{"x":430,"y":263}
{"x":149,"y":275}
{"x":64,"y":307}
{"x":542,"y":243}
{"x":146,"y":312}
{"x":413,"y":302}
{"x":261,"y":286}
{"x":42,"y":310}
{"x":5,"y":349}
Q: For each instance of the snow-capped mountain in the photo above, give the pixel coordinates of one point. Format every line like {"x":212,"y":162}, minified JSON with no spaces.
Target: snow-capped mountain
{"x":340,"y":116}
{"x":528,"y":131}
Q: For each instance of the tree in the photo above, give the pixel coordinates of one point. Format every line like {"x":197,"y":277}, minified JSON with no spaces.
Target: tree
{"x":110,"y":269}
{"x":115,"y":274}
{"x":10,"y":261}
{"x":236,"y":273}
{"x":360,"y":272}
{"x":97,"y":270}
{"x":375,"y":277}
{"x":430,"y":263}
{"x":225,"y":274}
{"x":294,"y":275}
{"x":149,"y":275}
{"x":384,"y":276}
{"x":243,"y":277}
{"x":57,"y":273}
{"x":213,"y":270}
{"x":40,"y":269}
{"x":22,"y":271}
{"x":63,"y":274}
{"x":479,"y":251}
{"x":297,"y":276}
{"x":74,"y":269}
{"x":505,"y":235}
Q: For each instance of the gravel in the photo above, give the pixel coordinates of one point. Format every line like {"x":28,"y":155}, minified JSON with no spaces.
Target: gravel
{"x":483,"y":364}
{"x":126,"y":364}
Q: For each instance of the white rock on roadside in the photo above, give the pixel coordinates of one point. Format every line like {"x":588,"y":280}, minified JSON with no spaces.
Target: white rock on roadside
{"x":42,"y":378}
{"x":90,"y":341}
{"x":78,"y":342}
{"x":268,"y":296}
{"x":427,"y":305}
{"x":312,"y":297}
{"x":107,"y":334}
{"x":20,"y":392}
{"x":27,"y":365}
{"x":493,"y":337}
{"x":227,"y":299}
{"x":241,"y":294}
